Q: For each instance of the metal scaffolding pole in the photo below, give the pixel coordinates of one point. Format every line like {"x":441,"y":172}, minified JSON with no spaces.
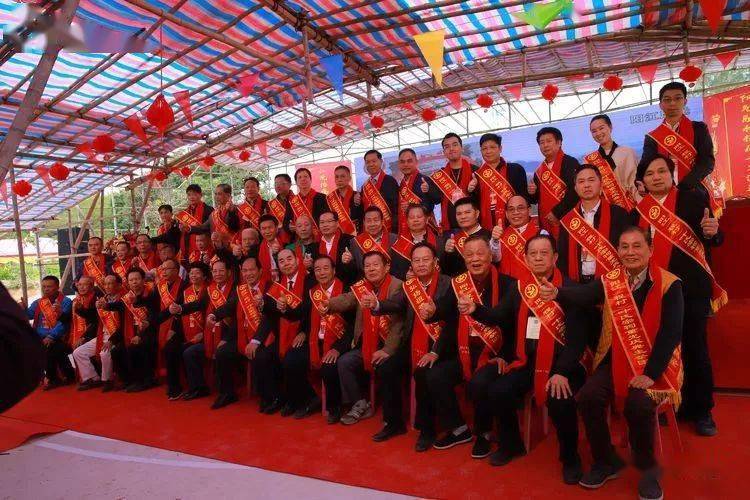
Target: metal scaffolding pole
{"x":19,"y":239}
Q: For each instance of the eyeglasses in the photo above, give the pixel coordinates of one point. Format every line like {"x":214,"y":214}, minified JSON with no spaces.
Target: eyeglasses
{"x":670,"y":100}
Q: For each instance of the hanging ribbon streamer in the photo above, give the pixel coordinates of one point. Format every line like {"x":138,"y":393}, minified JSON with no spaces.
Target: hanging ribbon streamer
{"x":432,"y":46}
{"x":334,"y":66}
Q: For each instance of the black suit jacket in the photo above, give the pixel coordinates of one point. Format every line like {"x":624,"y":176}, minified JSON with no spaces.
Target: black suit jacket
{"x":451,"y":209}
{"x":429,"y":199}
{"x":568,"y":169}
{"x":452,"y":263}
{"x":272,"y":315}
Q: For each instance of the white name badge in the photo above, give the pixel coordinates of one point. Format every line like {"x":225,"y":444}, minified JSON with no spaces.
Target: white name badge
{"x":533,"y":325}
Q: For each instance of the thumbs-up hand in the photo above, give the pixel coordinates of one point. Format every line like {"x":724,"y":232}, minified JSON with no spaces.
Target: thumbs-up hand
{"x":450,"y":245}
{"x":282,"y":303}
{"x":357,"y":199}
{"x":369,"y":301}
{"x":547,"y":291}
{"x":466,"y":305}
{"x":709,"y":225}
{"x":427,"y":309}
{"x":424,"y":187}
{"x":324,"y":306}
{"x":307,"y":260}
{"x":472,"y":184}
{"x":532,"y":188}
{"x":497,"y":232}
{"x":346,"y":257}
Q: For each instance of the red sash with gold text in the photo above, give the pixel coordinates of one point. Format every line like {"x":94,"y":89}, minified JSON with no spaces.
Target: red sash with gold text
{"x":551,"y":191}
{"x":497,"y":184}
{"x":335,"y":326}
{"x":250,"y":213}
{"x":341,"y":207}
{"x":247,"y":325}
{"x":417,"y":295}
{"x":287,"y":329}
{"x":216,"y":299}
{"x":591,"y":240}
{"x":611,"y":188}
{"x":93,"y":269}
{"x":513,"y":262}
{"x":374,"y":328}
{"x":372,"y":196}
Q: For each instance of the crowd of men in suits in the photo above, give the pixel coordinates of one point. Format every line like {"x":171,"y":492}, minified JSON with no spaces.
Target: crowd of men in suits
{"x":599,"y":302}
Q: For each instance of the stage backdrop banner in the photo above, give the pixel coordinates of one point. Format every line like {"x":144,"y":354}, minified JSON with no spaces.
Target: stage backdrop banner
{"x":728,"y":118}
{"x":322,"y":174}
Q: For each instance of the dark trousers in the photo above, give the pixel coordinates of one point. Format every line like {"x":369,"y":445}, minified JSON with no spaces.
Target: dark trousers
{"x":120,"y":363}
{"x":390,"y":375}
{"x":441,"y":381}
{"x":142,"y":359}
{"x":226,"y":362}
{"x":424,"y":420}
{"x":593,"y":400}
{"x":564,"y":417}
{"x":267,"y":373}
{"x":173,"y":349}
{"x":57,"y":359}
{"x":506,"y":393}
{"x":193,"y":357}
{"x":698,"y":386}
{"x":330,"y":374}
{"x":295,"y":366}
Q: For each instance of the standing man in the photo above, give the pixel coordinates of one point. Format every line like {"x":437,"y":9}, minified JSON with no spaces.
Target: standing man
{"x":279,"y":206}
{"x":453,"y":180}
{"x":195,"y":214}
{"x":146,"y":258}
{"x":414,"y":187}
{"x":170,"y":337}
{"x":307,"y":201}
{"x":496,"y":182}
{"x":96,"y":264}
{"x":335,"y":244}
{"x":467,"y":216}
{"x":253,"y":206}
{"x":345,"y":202}
{"x":225,"y":218}
{"x":418,"y":231}
{"x":169,"y":229}
{"x":684,"y":230}
{"x":380,"y":190}
{"x":51,"y":321}
{"x":616,"y":163}
{"x":123,"y":260}
{"x":270,"y":246}
{"x":305,"y":246}
{"x":554,"y":181}
{"x":520,"y":229}
{"x":204,"y":250}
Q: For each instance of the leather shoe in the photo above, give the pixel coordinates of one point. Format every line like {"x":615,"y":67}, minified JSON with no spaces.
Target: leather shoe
{"x":706,"y":426}
{"x":503,"y":457}
{"x":273,"y":406}
{"x":287,"y":410}
{"x":223,"y":400}
{"x":201,"y":392}
{"x":334,"y":415}
{"x":313,"y":406}
{"x":572,"y":472}
{"x":424,"y":441}
{"x":388,"y":431}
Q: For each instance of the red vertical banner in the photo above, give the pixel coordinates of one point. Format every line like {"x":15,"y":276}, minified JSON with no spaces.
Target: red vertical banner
{"x":322,"y":174}
{"x":727,"y":115}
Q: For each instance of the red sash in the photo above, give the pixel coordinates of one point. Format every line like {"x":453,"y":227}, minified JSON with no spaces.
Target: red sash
{"x":193,"y":323}
{"x":333,"y":254}
{"x":595,"y":241}
{"x":680,"y":147}
{"x":372,"y":196}
{"x":186,"y":218}
{"x":151,"y":262}
{"x":367,"y":244}
{"x":288,"y":329}
{"x":140,"y":314}
{"x":122,"y":270}
{"x":95,"y":269}
{"x":168,"y":297}
{"x":495,"y":188}
{"x":635,"y":335}
{"x":265,"y":256}
{"x":417,"y":295}
{"x":460,"y":239}
{"x":673,"y":231}
{"x":304,"y":206}
{"x":216,"y":299}
{"x":492,"y":336}
{"x":218,"y":217}
{"x":403,"y":245}
{"x":552,"y":319}
{"x":251,"y":213}
{"x":513,"y":262}
{"x":341,"y":207}
{"x":405,"y":196}
{"x":611,"y":188}
{"x":78,"y":324}
{"x":374,"y":328}
{"x":277,"y":209}
{"x":335,"y":326}
{"x":49,"y":318}
{"x":109,"y":323}
{"x":452,"y":190}
{"x":248,"y":317}
{"x":551,"y":190}
{"x":195,"y":255}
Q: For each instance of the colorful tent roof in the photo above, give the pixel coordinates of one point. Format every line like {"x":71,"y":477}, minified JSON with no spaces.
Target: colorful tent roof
{"x":212,"y":49}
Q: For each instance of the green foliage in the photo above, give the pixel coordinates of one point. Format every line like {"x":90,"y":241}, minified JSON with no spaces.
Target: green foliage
{"x":10,"y":272}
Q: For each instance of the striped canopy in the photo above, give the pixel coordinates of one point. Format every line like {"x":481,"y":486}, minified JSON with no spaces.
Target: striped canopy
{"x":211,"y":48}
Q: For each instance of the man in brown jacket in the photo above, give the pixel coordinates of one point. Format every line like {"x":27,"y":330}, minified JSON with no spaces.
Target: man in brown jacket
{"x":377,"y":347}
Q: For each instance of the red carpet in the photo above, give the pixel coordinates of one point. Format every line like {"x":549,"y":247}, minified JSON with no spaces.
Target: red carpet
{"x":15,"y":432}
{"x":712,"y":468}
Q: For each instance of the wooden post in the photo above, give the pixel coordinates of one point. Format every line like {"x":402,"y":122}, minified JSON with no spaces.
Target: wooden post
{"x":101,"y":214}
{"x":143,"y":207}
{"x":38,"y":256}
{"x":74,"y":248}
{"x":19,"y":239}
{"x":133,"y":216}
{"x":70,"y":242}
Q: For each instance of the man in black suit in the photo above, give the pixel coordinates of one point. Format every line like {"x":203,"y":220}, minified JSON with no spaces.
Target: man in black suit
{"x":414,"y":187}
{"x":382,"y":191}
{"x":556,"y":163}
{"x":336,"y":244}
{"x":345,"y":197}
{"x":698,"y":287}
{"x":651,"y":379}
{"x":607,"y":219}
{"x":467,"y":215}
{"x":546,"y":344}
{"x":426,"y":283}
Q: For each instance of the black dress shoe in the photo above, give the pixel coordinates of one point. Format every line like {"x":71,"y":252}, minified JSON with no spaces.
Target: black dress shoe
{"x":388,"y":431}
{"x":89,"y":384}
{"x":572,"y":472}
{"x":135,"y":387}
{"x":108,"y":386}
{"x":273,"y":406}
{"x":706,"y":426}
{"x":601,"y":473}
{"x":287,"y":410}
{"x":310,"y":408}
{"x":200,"y":392}
{"x":174,"y":396}
{"x":425,"y":441}
{"x":481,"y":448}
{"x":223,"y":400}
{"x":52,"y":384}
{"x":334,"y":415}
{"x":504,"y":456}
{"x":649,"y":487}
{"x":450,"y":440}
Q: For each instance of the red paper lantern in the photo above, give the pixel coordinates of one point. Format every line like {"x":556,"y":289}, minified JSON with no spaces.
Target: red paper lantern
{"x":160,"y":176}
{"x":103,"y":144}
{"x":160,"y":114}
{"x":59,"y":171}
{"x":690,"y":74}
{"x":550,"y":92}
{"x":429,"y":114}
{"x":377,"y":121}
{"x":612,"y":83}
{"x":244,"y":155}
{"x":209,"y":161}
{"x":338,"y":130}
{"x":287,"y":143}
{"x":22,"y":188}
{"x":485,"y":101}
{"x":185,"y":171}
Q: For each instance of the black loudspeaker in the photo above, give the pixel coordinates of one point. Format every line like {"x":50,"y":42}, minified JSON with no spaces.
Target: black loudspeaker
{"x":64,"y":248}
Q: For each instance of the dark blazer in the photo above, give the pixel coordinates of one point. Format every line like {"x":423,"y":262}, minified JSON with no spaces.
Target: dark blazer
{"x":670,"y":330}
{"x":429,"y":199}
{"x":355,"y":211}
{"x":568,"y":169}
{"x":358,"y":256}
{"x":272,"y":316}
{"x":452,"y":263}
{"x":451,"y":209}
{"x":345,"y":342}
{"x":228,"y":313}
{"x":704,"y":161}
{"x":152,"y":303}
{"x":619,"y":219}
{"x":232,"y":220}
{"x":345,"y":272}
{"x":171,"y":236}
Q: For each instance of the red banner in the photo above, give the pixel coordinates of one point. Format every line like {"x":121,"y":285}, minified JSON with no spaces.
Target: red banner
{"x":322,"y":174}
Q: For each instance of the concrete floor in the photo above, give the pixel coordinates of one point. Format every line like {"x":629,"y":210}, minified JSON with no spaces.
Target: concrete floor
{"x":71,"y":465}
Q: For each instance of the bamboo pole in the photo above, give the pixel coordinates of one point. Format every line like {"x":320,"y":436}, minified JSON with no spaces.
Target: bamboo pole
{"x":70,"y":242}
{"x":19,"y":240}
{"x":143,"y":207}
{"x":74,"y":248}
{"x":38,"y":257}
{"x":101,"y":214}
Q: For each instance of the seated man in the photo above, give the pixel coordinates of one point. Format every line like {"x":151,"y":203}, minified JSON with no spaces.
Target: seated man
{"x":637,"y":363}
{"x":83,"y":334}
{"x":51,"y":321}
{"x":112,"y":338}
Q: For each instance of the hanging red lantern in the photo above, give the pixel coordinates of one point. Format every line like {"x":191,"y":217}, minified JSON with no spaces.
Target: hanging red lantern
{"x":287,"y":143}
{"x":22,"y":188}
{"x":103,"y":144}
{"x":612,"y":83}
{"x":160,"y":114}
{"x":550,"y":92}
{"x":208,"y":161}
{"x":690,"y":74}
{"x":338,"y":130}
{"x":485,"y":101}
{"x":377,"y":121}
{"x":185,"y":171}
{"x":429,"y":114}
{"x":160,"y":176}
{"x":59,"y":171}
{"x":244,"y":155}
